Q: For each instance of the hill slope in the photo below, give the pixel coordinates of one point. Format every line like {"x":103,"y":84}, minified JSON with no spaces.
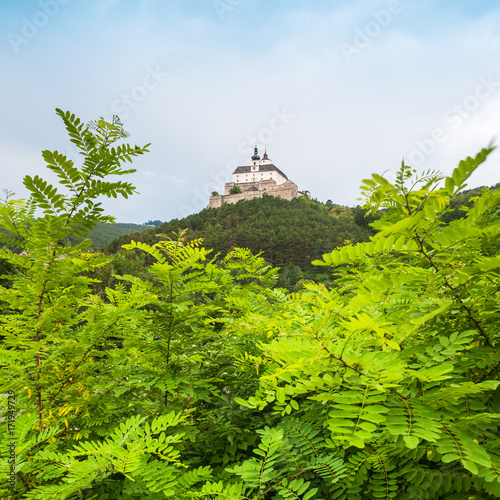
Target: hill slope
{"x":287,"y":232}
{"x":104,"y":234}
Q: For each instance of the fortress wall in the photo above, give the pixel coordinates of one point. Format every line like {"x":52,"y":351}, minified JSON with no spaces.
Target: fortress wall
{"x":235,"y":198}
{"x":287,"y":191}
{"x":215,"y":201}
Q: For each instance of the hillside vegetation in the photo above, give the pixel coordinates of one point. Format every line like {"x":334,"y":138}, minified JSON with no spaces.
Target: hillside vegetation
{"x":103,"y":234}
{"x":286,"y":232}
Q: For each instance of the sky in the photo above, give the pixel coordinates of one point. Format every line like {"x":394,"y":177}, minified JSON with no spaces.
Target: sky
{"x":335,"y":90}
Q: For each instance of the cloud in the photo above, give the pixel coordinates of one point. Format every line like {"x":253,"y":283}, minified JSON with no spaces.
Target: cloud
{"x":178,"y":181}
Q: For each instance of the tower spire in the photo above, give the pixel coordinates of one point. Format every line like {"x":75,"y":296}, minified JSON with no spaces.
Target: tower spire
{"x":256,"y":155}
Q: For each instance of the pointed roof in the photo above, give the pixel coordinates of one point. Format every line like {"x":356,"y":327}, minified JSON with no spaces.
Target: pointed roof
{"x":256,"y":155}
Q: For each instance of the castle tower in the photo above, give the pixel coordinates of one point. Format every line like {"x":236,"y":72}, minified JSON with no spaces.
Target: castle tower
{"x":255,"y":157}
{"x":265,"y":159}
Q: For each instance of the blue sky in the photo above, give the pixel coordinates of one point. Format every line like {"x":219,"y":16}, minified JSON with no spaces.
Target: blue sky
{"x":335,"y":90}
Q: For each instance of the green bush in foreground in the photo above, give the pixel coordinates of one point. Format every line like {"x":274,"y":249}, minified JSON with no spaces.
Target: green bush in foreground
{"x":388,"y":387}
{"x":203,"y":380}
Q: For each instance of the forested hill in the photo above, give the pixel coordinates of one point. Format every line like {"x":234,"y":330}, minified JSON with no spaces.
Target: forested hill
{"x":287,"y":232}
{"x":290,"y":234}
{"x":103,"y":233}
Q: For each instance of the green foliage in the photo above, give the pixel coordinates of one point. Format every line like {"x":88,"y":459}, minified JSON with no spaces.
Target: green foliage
{"x":398,"y":369}
{"x":108,"y":380}
{"x":168,"y":371}
{"x":235,"y":190}
{"x":461,"y":202}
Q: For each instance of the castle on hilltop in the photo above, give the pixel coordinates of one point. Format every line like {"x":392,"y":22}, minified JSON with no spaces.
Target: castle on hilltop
{"x":260,"y":178}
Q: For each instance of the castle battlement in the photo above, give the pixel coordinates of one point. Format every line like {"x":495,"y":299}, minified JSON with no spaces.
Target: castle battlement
{"x":259,"y":178}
